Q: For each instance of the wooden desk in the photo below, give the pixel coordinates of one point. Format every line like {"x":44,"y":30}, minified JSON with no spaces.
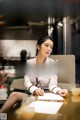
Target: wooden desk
{"x":70,"y":110}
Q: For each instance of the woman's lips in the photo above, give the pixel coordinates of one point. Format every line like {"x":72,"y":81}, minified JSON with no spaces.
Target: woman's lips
{"x":47,"y":52}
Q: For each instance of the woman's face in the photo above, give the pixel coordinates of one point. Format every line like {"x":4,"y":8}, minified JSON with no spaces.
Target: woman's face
{"x":45,"y":48}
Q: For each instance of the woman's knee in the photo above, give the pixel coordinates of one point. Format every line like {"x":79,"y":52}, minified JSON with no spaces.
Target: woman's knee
{"x":13,"y":94}
{"x":17,"y":95}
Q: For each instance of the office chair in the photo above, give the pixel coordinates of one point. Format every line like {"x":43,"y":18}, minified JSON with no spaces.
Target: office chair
{"x":66,"y":70}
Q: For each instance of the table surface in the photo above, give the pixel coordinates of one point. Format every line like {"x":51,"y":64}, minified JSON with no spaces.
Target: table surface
{"x":70,"y":110}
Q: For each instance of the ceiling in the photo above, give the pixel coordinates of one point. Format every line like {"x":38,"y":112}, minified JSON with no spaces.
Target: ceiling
{"x":21,"y":12}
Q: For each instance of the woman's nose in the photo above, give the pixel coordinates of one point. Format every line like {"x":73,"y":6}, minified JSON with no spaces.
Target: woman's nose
{"x":49,"y":48}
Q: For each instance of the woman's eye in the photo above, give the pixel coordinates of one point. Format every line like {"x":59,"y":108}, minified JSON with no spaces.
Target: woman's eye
{"x":46,"y":45}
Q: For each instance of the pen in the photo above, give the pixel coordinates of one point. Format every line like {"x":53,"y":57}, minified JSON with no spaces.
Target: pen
{"x":41,"y":88}
{"x":37,"y":82}
{"x":40,"y":84}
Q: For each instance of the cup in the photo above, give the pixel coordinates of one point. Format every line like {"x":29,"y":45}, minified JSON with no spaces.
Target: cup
{"x":76,"y":90}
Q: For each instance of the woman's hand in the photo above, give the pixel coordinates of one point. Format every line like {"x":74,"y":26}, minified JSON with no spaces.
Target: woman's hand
{"x":63,"y":92}
{"x":39,"y":91}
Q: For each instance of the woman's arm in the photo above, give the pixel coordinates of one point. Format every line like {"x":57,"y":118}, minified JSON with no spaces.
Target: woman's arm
{"x":28,"y":84}
{"x":32,"y":88}
{"x":53,"y":84}
{"x":53,"y":87}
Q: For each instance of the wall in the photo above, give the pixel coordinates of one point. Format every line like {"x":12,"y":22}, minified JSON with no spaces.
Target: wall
{"x":12,"y":41}
{"x":12,"y":48}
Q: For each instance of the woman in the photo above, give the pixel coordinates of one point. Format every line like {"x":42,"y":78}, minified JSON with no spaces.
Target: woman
{"x":44,"y":48}
{"x":33,"y":82}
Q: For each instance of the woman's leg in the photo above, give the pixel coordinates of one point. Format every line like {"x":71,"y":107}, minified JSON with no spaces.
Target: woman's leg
{"x":13,"y":98}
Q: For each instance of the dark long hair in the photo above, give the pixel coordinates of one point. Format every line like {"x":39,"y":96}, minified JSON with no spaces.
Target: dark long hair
{"x":42,"y":40}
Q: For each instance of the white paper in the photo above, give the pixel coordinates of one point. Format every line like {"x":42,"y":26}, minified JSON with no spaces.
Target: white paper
{"x":46,"y":107}
{"x":50,"y":96}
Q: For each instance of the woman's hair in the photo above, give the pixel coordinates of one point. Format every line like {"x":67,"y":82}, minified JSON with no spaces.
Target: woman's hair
{"x":42,"y":39}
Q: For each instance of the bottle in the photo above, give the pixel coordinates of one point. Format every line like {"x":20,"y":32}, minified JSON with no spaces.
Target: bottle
{"x":3,"y":92}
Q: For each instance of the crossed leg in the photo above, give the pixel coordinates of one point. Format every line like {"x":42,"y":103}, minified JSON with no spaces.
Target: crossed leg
{"x":12,"y":100}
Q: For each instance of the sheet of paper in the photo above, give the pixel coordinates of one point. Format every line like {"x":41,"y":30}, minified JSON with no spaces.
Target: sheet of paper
{"x":50,"y":96}
{"x":46,"y":107}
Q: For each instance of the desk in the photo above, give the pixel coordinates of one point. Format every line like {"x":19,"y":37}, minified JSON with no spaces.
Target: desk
{"x":70,"y":110}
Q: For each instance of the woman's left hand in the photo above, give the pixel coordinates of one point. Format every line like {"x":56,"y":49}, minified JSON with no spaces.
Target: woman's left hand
{"x":63,"y":92}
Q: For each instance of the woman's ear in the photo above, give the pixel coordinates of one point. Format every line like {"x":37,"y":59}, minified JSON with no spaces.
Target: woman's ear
{"x":38,"y":47}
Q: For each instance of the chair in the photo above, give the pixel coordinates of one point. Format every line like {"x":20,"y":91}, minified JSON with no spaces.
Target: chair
{"x":66,"y":73}
{"x":18,"y":84}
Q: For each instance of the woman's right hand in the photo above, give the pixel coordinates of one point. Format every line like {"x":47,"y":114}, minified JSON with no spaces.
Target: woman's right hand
{"x":39,"y":91}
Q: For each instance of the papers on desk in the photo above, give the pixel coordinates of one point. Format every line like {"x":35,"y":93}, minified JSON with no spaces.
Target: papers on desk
{"x":46,"y":107}
{"x":50,"y":96}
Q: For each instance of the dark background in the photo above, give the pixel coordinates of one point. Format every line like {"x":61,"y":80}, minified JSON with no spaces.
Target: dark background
{"x":16,"y":15}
